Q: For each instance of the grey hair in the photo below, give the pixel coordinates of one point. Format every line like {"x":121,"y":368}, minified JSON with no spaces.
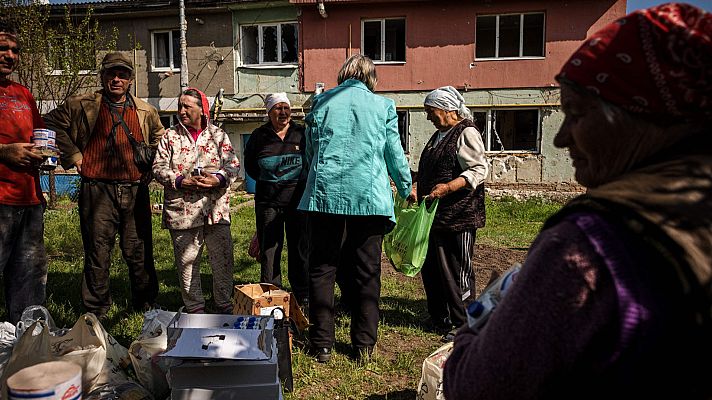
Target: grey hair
{"x":193,"y":93}
{"x":359,"y":67}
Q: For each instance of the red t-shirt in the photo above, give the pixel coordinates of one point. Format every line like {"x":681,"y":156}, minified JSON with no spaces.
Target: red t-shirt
{"x":18,"y":116}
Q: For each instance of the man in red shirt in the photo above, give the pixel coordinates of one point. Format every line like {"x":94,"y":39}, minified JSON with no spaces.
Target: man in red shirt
{"x":23,"y":260}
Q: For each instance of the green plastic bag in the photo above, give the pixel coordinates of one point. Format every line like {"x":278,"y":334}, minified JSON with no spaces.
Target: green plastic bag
{"x":407,"y":244}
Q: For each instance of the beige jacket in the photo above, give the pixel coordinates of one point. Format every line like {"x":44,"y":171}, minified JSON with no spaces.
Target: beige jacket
{"x":74,"y":122}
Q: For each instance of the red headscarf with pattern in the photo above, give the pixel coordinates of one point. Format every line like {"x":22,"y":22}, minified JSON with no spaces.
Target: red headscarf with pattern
{"x":656,"y":62}
{"x":205,"y":105}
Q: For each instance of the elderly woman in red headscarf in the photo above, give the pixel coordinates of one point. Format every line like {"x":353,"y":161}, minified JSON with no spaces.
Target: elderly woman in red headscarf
{"x":196,"y":164}
{"x":614,"y":298}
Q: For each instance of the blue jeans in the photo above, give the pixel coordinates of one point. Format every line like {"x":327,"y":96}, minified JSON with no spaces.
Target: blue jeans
{"x":23,"y":259}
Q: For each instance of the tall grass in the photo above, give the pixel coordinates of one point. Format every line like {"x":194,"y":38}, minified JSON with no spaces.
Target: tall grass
{"x":403,"y":342}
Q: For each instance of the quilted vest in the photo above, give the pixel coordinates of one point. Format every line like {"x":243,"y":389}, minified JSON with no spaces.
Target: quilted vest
{"x":460,"y":210}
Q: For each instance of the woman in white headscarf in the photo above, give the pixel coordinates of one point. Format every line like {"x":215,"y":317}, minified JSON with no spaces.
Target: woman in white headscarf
{"x":452,"y":168}
{"x":274,"y":159}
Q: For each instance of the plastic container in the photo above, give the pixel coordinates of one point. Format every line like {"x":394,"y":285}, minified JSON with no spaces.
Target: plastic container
{"x":479,"y":311}
{"x":60,"y":380}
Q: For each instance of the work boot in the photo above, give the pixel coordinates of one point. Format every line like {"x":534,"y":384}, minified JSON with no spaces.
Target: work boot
{"x":322,"y":354}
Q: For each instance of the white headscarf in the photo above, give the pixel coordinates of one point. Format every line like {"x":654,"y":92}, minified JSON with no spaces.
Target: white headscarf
{"x":274,"y":98}
{"x":449,"y":99}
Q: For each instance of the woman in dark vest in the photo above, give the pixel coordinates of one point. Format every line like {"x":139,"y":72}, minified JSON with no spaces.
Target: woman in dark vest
{"x":452,"y":168}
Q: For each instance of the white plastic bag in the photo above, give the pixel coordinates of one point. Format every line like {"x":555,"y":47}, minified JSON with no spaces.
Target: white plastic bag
{"x":144,"y":351}
{"x":480,"y":310}
{"x":87,"y":344}
{"x":7,"y":342}
{"x":430,"y":386}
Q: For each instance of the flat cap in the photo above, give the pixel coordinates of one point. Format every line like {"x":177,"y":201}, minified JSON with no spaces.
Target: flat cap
{"x":116,"y":59}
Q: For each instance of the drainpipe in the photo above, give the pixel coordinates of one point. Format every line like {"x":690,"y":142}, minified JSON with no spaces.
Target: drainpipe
{"x":322,"y":10}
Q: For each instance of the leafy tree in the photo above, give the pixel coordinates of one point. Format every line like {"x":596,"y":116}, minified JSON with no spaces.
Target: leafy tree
{"x":60,"y":53}
{"x":61,"y":50}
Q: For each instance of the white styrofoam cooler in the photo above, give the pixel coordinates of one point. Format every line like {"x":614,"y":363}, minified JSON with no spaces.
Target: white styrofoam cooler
{"x":213,"y":336}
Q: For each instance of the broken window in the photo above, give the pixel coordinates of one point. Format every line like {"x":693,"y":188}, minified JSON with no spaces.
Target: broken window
{"x":269,"y":43}
{"x":514,"y":130}
{"x":509,"y":36}
{"x":165,"y":50}
{"x":383,"y":40}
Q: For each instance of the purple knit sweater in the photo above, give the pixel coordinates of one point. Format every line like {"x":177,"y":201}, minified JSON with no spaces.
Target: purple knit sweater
{"x":592,"y":314}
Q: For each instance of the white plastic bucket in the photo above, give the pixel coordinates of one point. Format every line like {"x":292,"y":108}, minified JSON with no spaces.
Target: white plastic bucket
{"x":53,"y":380}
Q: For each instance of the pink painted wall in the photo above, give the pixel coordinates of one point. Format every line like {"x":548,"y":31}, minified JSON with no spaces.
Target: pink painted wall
{"x":440,"y":39}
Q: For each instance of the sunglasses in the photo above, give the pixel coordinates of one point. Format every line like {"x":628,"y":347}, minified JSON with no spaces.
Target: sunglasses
{"x":15,"y":49}
{"x":122,"y":74}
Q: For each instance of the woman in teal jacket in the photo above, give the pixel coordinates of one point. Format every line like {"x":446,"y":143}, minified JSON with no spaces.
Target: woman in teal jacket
{"x":352,"y":147}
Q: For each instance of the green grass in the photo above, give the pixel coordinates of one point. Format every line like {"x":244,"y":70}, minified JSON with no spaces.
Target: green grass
{"x":514,"y":223}
{"x":403,"y":344}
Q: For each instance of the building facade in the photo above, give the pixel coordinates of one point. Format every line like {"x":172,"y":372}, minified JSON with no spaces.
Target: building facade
{"x":501,"y":55}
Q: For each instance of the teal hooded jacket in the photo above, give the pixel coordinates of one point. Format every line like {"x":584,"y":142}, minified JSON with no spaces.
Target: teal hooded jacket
{"x":352,"y":147}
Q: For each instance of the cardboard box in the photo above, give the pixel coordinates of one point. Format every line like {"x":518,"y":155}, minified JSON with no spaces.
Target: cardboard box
{"x":261,"y":299}
{"x":212,"y":336}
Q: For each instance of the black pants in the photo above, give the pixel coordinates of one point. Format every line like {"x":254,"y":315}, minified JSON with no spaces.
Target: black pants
{"x":447,"y":275}
{"x":272,"y":223}
{"x":23,"y":258}
{"x":106,"y":209}
{"x":352,"y":246}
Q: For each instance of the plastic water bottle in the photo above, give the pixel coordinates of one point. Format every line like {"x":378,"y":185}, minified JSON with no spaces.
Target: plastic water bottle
{"x":479,"y":311}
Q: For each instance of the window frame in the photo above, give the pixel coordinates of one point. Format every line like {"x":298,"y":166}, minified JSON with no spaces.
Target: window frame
{"x":383,"y":39}
{"x":521,"y":37}
{"x":490,"y":127}
{"x":260,"y":52}
{"x":172,"y":119}
{"x":171,"y":50}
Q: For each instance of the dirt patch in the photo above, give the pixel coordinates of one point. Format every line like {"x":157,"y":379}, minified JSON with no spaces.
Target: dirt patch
{"x":487,"y":260}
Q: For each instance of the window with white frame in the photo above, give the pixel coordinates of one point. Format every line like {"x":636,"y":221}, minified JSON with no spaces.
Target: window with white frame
{"x":165,"y":50}
{"x":509,"y":36}
{"x":275,"y":43}
{"x":509,"y":130}
{"x":383,"y":40}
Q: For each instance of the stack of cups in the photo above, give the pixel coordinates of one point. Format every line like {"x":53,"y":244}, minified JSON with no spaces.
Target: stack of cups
{"x":45,"y":142}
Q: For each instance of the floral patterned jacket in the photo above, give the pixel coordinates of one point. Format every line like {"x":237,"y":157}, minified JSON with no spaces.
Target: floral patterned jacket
{"x":179,"y":155}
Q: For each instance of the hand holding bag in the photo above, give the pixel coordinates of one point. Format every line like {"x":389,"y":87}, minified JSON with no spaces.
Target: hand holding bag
{"x":407,"y":244}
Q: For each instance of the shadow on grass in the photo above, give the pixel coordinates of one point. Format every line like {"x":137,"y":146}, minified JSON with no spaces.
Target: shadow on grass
{"x":404,"y":394}
{"x":404,"y":312}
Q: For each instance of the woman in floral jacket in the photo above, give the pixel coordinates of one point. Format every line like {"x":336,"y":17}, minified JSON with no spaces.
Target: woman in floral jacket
{"x":196,"y":164}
